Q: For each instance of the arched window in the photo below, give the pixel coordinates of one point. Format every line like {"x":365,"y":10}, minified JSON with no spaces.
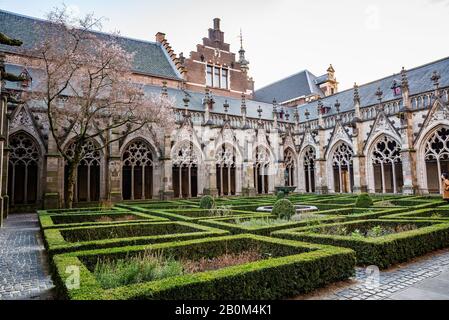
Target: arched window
{"x":289,"y":162}
{"x":387,"y":165}
{"x":437,"y":158}
{"x":137,"y":171}
{"x":309,"y":169}
{"x":342,"y":165}
{"x":225,"y":163}
{"x":23,"y":169}
{"x":261,"y":170}
{"x":185,"y":170}
{"x":87,"y":181}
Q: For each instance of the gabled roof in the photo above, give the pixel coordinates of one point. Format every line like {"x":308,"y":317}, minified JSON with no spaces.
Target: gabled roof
{"x":295,"y":86}
{"x":149,"y":57}
{"x":418,"y":79}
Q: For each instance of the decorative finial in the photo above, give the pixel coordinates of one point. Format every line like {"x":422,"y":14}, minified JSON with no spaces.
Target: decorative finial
{"x":186,"y":101}
{"x":242,"y":60}
{"x":356,"y":92}
{"x":436,"y":79}
{"x":320,"y":107}
{"x":226,"y":106}
{"x":287,"y":116}
{"x":337,"y":106}
{"x":259,"y":111}
{"x":164,"y":89}
{"x":296,"y":115}
{"x":404,"y":78}
{"x":307,"y":114}
{"x":379,"y":94}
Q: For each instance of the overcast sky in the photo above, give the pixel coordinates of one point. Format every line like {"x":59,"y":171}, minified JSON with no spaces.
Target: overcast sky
{"x":364,"y":40}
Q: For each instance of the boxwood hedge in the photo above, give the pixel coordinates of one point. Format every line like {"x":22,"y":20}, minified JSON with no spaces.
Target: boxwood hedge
{"x":52,"y":221}
{"x":439,"y":214}
{"x":381,"y":251}
{"x":82,"y":238}
{"x":294,"y":268}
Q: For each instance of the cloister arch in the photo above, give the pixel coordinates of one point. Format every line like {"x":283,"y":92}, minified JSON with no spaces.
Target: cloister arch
{"x":186,"y":159}
{"x":88,"y":174}
{"x":262,"y":165}
{"x":307,"y":162}
{"x":290,"y":167}
{"x":227,"y":161}
{"x":24,"y":173}
{"x":385,"y":165}
{"x":434,"y":154}
{"x":340,"y":168}
{"x":137,"y":170}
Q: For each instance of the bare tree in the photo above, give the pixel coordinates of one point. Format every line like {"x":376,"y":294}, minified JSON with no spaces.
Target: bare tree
{"x":86,"y":85}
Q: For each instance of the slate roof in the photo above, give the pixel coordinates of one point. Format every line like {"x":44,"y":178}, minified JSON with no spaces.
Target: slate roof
{"x":300,"y":84}
{"x":149,"y":57}
{"x":418,"y":79}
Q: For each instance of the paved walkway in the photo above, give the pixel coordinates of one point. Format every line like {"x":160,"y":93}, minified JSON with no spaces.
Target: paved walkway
{"x":24,"y":270}
{"x":425,"y":278}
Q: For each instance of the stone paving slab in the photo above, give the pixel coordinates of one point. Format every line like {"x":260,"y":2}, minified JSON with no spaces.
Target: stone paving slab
{"x":24,"y":270}
{"x":425,"y":278}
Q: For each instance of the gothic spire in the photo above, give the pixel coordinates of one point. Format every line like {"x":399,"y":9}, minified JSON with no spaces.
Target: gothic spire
{"x":242,"y":60}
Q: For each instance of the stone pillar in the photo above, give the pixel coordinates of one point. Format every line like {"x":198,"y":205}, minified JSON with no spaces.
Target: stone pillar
{"x":3,"y":159}
{"x":53,"y":195}
{"x":211,"y":169}
{"x":166,"y":190}
{"x":408,"y":153}
{"x":321,"y":186}
{"x":248,"y":186}
{"x":114,"y":171}
{"x":359,"y":160}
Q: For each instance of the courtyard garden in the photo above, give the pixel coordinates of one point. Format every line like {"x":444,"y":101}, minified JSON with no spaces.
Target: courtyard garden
{"x":226,"y":248}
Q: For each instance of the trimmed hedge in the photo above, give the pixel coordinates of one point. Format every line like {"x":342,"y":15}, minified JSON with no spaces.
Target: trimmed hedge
{"x":82,"y":238}
{"x":52,"y":221}
{"x":364,"y":201}
{"x":295,"y":268}
{"x":438,"y":214}
{"x":207,"y":202}
{"x":283,"y":209}
{"x":382,"y":251}
{"x":193,"y":215}
{"x":228,"y":224}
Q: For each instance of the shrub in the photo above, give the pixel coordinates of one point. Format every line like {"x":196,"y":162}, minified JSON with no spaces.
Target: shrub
{"x":207,"y":202}
{"x":292,"y":268}
{"x":284,"y":209}
{"x":280,"y":195}
{"x":364,"y":201}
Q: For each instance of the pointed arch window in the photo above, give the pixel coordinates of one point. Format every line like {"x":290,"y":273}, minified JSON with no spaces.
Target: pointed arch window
{"x":23,"y":169}
{"x":87,"y":180}
{"x":226,"y":166}
{"x":185,"y":170}
{"x":261,"y":170}
{"x":309,"y":169}
{"x":343,"y":171}
{"x":437,"y":158}
{"x":137,"y":171}
{"x":289,"y":162}
{"x":387,"y":165}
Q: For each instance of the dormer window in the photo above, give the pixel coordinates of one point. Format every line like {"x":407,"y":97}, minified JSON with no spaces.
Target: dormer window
{"x":217,"y":77}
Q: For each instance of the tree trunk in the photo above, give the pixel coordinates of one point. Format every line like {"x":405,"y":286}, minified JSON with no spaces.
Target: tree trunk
{"x":72,"y":166}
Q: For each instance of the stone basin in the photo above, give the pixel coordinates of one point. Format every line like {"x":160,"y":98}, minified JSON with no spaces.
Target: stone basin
{"x":298,"y":208}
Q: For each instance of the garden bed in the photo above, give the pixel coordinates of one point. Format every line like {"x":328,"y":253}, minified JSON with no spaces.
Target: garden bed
{"x":51,"y":221}
{"x":193,"y":215}
{"x":399,"y":243}
{"x":275,"y":269}
{"x":82,"y":238}
{"x":265,"y":224}
{"x":439,"y":214}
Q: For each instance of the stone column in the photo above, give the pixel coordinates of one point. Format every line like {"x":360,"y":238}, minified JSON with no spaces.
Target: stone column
{"x":114,"y":172}
{"x":359,"y":160}
{"x":166,"y":190}
{"x":408,"y":153}
{"x":321,"y":165}
{"x":211,"y":169}
{"x":53,"y":195}
{"x":3,"y":168}
{"x":248,"y":186}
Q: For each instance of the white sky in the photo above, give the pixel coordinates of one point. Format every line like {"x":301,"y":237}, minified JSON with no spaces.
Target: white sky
{"x":364,"y":40}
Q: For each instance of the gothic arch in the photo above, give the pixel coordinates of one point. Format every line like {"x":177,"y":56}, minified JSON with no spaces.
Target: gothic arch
{"x":25,"y":169}
{"x":228,"y":162}
{"x":291,"y":167}
{"x":339,"y":165}
{"x":263,"y":166}
{"x":89,"y":186}
{"x":384,"y":165}
{"x":433,"y":158}
{"x":307,"y":161}
{"x":186,"y":169}
{"x":138,"y":162}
